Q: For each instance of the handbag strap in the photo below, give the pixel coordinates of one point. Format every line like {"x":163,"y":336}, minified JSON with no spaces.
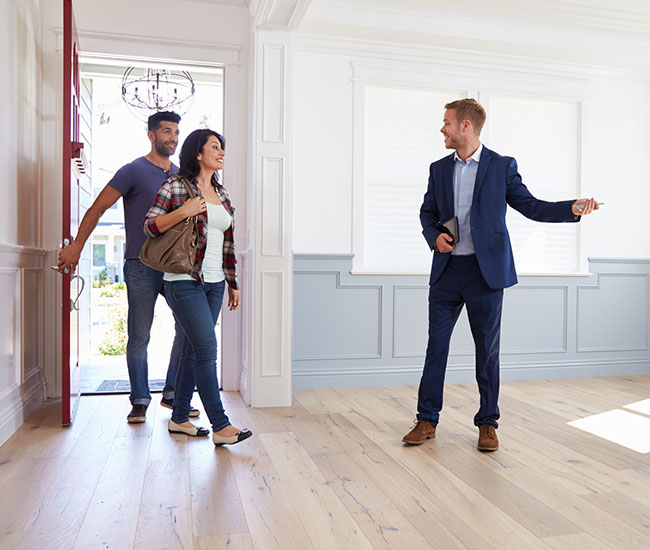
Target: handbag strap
{"x":187,"y":185}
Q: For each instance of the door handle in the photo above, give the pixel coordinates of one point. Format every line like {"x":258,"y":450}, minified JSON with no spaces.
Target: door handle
{"x":65,"y":242}
{"x":74,"y":304}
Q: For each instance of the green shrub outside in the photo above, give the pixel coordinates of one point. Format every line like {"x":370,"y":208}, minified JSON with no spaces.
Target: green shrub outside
{"x":114,"y":342}
{"x":112,"y":290}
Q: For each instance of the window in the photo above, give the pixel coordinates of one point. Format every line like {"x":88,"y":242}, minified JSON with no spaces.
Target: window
{"x":401,"y":138}
{"x":542,"y":135}
{"x":99,"y":254}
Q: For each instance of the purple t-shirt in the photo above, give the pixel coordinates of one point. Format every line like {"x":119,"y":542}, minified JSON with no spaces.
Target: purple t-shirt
{"x":138,"y":182}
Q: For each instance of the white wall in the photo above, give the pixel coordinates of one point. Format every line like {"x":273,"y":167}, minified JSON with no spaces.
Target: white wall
{"x":166,"y":22}
{"x":21,"y":255}
{"x":616,"y":137}
{"x":322,"y":184}
{"x":620,"y":140}
{"x":21,"y":114}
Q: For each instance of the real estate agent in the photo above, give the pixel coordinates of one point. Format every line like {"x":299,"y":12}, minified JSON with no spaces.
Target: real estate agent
{"x":476,"y":185}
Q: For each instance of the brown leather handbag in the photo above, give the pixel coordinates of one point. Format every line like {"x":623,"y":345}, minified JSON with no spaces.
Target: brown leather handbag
{"x":173,"y":251}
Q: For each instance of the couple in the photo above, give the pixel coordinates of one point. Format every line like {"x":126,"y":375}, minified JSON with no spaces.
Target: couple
{"x":195,"y":298}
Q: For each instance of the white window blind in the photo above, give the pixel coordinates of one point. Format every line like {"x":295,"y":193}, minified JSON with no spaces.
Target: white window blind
{"x":401,"y":139}
{"x":542,"y":135}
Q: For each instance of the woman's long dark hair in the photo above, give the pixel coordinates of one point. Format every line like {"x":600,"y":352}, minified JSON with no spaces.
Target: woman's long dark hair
{"x":192,"y":146}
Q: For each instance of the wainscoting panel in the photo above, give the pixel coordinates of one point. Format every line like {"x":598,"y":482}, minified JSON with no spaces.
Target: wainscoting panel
{"x":32,"y":327}
{"x":357,"y":329}
{"x":409,"y":320}
{"x":21,"y":328}
{"x":320,"y":331}
{"x":542,"y":312}
{"x":272,"y":314}
{"x":272,"y":206}
{"x":620,"y":303}
{"x":273,"y":118}
{"x":9,"y":320}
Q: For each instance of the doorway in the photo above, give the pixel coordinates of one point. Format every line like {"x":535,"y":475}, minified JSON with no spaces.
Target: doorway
{"x":116,"y":138}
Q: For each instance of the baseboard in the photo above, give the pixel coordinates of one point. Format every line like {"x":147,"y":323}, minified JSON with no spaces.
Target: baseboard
{"x":17,"y":406}
{"x":410,"y":375}
{"x":243,"y":384}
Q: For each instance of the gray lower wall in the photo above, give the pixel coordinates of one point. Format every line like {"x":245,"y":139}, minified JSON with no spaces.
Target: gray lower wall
{"x":367,"y":330}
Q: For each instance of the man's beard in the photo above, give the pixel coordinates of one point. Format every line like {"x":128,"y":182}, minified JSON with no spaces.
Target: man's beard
{"x":163,"y":149}
{"x":453,"y":143}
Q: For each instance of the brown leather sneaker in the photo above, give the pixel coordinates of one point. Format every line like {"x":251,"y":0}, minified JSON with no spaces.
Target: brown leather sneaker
{"x":487,"y":438}
{"x":137,"y":415}
{"x":422,"y":431}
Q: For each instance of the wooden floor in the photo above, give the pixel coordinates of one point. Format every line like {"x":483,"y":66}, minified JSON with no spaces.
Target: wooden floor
{"x":331,"y":473}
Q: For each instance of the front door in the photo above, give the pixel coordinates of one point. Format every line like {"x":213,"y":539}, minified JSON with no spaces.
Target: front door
{"x":73,"y":168}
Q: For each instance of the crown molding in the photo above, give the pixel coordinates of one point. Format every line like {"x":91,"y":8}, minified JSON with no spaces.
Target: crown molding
{"x":584,"y":13}
{"x":424,"y":55}
{"x":236,"y":3}
{"x":625,"y":17}
{"x":285,"y":15}
{"x":472,"y":30}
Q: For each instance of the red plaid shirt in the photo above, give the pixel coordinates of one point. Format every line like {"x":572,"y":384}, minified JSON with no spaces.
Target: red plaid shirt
{"x":171,"y":195}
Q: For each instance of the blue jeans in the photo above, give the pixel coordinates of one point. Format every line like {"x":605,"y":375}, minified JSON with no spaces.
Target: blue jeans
{"x":461,"y":283}
{"x":143,"y":285}
{"x":197,"y":308}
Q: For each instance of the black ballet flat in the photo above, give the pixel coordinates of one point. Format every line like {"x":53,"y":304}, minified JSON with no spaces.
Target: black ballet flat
{"x":219,"y":440}
{"x":194,"y":431}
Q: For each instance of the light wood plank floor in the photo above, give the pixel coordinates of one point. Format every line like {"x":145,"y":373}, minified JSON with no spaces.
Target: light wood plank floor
{"x":331,"y":473}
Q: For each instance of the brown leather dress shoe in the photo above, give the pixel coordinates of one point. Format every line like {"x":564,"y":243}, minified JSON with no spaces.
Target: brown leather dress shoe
{"x":487,"y":438}
{"x":422,"y":431}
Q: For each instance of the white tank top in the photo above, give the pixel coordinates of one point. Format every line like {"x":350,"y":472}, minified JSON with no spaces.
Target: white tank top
{"x":218,"y":221}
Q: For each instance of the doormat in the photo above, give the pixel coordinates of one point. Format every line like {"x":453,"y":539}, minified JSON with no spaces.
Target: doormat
{"x":123,"y":386}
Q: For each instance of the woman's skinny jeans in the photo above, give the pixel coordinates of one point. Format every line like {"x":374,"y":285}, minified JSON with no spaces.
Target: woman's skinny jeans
{"x":197,"y":307}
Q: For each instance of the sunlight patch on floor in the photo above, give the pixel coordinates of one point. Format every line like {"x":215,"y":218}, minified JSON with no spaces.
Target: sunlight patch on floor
{"x":640,"y":406}
{"x":624,"y":428}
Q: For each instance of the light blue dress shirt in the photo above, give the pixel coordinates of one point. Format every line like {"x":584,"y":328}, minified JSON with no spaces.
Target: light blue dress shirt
{"x":464,"y":181}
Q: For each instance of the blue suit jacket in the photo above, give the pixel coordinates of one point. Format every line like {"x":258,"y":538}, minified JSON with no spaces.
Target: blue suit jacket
{"x":497,"y":184}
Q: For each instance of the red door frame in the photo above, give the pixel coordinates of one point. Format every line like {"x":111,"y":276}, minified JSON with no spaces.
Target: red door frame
{"x":70,"y":184}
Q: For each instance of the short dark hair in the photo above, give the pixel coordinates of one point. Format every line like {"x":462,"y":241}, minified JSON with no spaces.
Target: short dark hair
{"x":192,"y":146}
{"x":469,"y":109}
{"x":153,"y":123}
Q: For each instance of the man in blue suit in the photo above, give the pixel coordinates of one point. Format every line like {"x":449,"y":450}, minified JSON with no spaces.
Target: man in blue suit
{"x":476,"y":185}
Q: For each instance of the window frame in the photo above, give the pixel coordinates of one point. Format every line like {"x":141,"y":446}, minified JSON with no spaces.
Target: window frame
{"x":471,"y":82}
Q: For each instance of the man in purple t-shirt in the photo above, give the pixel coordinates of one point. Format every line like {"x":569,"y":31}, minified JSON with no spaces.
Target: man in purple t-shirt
{"x":137,"y":183}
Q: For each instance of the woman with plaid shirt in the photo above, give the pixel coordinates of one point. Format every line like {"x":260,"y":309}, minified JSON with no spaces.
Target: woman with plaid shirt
{"x":196,"y":297}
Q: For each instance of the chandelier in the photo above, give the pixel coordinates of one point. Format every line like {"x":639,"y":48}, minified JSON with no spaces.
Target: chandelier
{"x":147,"y":91}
